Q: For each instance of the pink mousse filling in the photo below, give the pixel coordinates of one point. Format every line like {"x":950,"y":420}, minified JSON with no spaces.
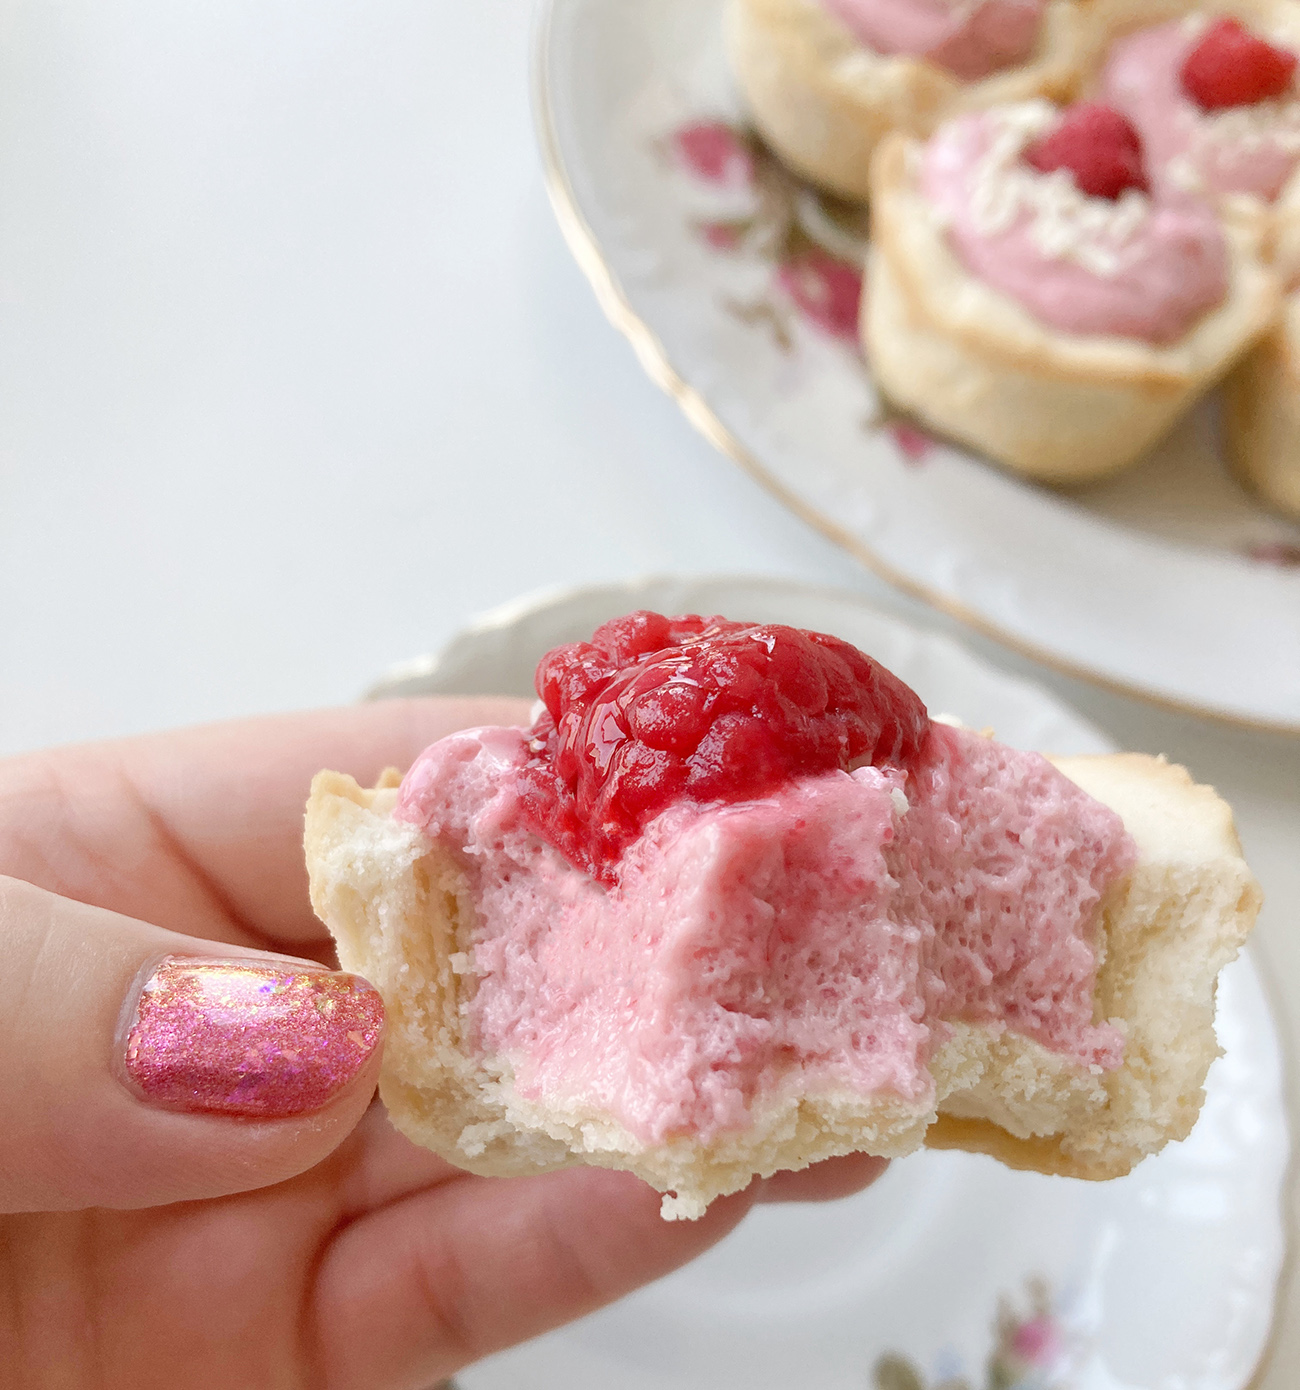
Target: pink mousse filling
{"x":818,"y":939}
{"x":1140,"y":267}
{"x":1243,"y":149}
{"x":969,"y":40}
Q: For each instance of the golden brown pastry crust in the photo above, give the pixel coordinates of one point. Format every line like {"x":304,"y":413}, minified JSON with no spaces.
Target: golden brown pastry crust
{"x":824,"y":102}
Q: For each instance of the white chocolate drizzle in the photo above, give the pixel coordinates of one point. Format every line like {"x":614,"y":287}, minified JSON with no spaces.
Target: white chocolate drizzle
{"x":1236,"y":131}
{"x":1250,"y":128}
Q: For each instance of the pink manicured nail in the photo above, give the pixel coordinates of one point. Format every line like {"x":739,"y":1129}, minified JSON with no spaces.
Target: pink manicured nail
{"x":243,"y":1037}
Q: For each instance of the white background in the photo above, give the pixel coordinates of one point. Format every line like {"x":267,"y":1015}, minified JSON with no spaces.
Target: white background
{"x":296,"y":374}
{"x":295,"y":369}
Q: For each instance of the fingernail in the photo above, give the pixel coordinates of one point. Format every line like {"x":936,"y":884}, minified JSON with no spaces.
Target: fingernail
{"x":243,"y":1037}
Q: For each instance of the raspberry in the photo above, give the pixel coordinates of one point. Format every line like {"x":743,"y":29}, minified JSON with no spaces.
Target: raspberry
{"x":1230,"y":66}
{"x":655,"y":710}
{"x":1098,"y":146}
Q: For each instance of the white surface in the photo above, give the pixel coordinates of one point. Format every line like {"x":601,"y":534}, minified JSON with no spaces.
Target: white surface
{"x":1142,"y":581}
{"x":295,"y":370}
{"x":296,"y":375}
{"x":1163,"y":1278}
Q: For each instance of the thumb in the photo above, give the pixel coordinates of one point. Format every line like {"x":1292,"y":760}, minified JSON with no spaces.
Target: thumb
{"x":145,"y":1067}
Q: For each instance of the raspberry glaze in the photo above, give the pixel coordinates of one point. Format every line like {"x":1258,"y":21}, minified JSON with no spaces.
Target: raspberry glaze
{"x":657,"y":710}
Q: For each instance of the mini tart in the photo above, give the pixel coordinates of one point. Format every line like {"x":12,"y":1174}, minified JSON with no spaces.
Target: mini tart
{"x":402,"y":913}
{"x":824,"y":101}
{"x":1276,"y":20}
{"x":976,"y":365}
{"x":1262,"y":414}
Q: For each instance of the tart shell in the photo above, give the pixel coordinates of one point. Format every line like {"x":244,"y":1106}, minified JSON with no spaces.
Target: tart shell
{"x":824,"y":101}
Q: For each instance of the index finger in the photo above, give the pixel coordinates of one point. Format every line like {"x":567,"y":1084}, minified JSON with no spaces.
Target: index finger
{"x":200,"y":830}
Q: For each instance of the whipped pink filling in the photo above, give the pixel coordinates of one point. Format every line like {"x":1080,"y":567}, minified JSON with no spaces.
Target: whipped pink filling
{"x":970,"y":38}
{"x":820,"y":938}
{"x":1138,"y":267}
{"x":1243,"y":149}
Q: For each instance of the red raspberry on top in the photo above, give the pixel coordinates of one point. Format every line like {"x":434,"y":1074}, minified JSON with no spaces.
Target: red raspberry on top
{"x":655,"y":710}
{"x":1098,"y":145}
{"x":1230,"y":66}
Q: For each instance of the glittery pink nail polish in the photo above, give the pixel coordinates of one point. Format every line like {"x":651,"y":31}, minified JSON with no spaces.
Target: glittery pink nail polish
{"x":247,"y":1037}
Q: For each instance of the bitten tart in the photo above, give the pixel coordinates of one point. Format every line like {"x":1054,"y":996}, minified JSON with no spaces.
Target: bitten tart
{"x":1033,"y":294}
{"x":734,"y":904}
{"x":826,"y":80}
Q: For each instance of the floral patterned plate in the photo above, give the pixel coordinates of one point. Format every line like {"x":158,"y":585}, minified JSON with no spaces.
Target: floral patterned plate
{"x":952,"y":1273}
{"x":739,"y":289}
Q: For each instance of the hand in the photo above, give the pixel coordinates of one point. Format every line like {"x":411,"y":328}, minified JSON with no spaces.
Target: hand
{"x":307,"y":1246}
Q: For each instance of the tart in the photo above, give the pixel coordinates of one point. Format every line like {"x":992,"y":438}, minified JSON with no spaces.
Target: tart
{"x":1031,"y":293}
{"x":824,"y":97}
{"x":734,"y":903}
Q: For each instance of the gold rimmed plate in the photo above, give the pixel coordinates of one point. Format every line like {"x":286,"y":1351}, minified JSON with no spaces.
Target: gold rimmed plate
{"x":737,"y":288}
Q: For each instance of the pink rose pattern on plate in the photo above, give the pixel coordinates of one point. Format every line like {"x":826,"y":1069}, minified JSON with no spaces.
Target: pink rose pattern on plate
{"x":823,"y":283}
{"x":1031,"y":1351}
{"x":715,"y":152}
{"x":826,"y":291}
{"x":1281,"y":554}
{"x":913,"y":444}
{"x":815,"y":245}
